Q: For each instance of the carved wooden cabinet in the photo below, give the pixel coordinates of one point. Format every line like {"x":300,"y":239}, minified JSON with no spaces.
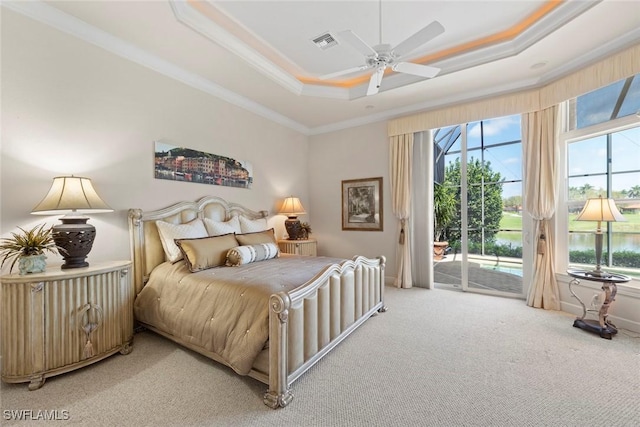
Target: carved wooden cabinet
{"x":61,"y":320}
{"x":299,"y":247}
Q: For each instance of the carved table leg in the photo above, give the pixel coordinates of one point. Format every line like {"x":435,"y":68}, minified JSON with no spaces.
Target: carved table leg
{"x":127,"y":347}
{"x":584,"y":307}
{"x":37,"y":381}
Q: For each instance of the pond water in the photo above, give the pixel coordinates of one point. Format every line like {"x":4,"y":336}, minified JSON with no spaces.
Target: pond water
{"x":579,"y":241}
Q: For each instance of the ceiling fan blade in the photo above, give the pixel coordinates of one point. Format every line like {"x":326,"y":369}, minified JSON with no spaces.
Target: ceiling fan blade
{"x":374,"y":82}
{"x":416,"y":69}
{"x":350,"y":38}
{"x":343,"y":72}
{"x":418,"y":39}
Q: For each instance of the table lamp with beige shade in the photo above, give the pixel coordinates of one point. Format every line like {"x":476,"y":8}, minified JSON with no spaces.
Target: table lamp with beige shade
{"x":74,"y":237}
{"x":292,"y":207}
{"x":599,"y":209}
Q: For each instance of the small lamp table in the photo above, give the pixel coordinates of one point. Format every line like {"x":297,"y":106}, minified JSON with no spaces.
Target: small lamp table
{"x":602,"y":326}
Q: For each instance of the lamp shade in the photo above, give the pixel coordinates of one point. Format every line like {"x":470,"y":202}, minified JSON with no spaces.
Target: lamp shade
{"x":71,"y":193}
{"x":292,"y":207}
{"x":599,"y":209}
{"x":74,"y":237}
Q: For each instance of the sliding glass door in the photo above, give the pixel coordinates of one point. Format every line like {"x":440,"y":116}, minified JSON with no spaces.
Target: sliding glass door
{"x":479,"y":164}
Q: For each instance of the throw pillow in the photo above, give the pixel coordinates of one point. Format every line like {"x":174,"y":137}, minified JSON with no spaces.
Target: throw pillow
{"x":218,"y":228}
{"x":169,"y":232}
{"x":206,"y":252}
{"x":246,"y":254}
{"x":267,"y":236}
{"x":252,"y":225}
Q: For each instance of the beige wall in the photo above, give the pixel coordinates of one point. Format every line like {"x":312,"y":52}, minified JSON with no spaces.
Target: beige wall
{"x":361,"y":152}
{"x":70,"y":107}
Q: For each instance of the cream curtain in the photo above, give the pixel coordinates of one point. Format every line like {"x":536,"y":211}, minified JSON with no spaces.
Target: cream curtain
{"x":400,"y":167}
{"x":539,"y":139}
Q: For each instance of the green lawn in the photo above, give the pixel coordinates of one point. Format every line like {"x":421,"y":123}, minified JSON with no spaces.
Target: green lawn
{"x":513,"y":221}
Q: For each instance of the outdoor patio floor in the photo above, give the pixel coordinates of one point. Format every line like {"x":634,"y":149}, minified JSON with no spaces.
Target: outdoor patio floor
{"x":450,"y":273}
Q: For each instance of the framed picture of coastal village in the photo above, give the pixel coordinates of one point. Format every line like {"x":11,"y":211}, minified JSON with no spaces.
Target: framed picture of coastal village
{"x":188,"y":165}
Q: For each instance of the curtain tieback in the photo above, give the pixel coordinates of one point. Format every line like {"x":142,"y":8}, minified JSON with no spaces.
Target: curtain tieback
{"x":542,"y":243}
{"x":401,"y":240}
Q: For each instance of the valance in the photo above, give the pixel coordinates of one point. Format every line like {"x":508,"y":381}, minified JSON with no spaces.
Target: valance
{"x":616,"y":67}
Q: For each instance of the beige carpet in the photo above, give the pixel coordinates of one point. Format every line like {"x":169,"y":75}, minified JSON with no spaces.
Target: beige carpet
{"x":436,"y":358}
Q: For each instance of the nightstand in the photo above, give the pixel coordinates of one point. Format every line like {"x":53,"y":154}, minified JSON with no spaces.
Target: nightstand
{"x":299,"y":247}
{"x":61,"y":320}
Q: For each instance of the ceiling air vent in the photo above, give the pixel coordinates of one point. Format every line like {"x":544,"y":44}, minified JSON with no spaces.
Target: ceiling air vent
{"x":324,"y":41}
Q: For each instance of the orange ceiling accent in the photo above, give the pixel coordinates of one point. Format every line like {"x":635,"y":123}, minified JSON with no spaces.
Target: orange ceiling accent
{"x":502,"y":36}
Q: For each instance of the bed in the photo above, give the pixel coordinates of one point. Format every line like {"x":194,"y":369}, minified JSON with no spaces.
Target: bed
{"x":271,"y":319}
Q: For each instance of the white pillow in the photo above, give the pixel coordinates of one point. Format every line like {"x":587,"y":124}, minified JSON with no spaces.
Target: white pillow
{"x":169,"y":232}
{"x":218,"y":228}
{"x":252,"y":225}
{"x":245,"y":254}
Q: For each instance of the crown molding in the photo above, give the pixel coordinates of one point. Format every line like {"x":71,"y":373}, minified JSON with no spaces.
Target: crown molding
{"x":55,"y":18}
{"x":59,"y":20}
{"x":205,"y":26}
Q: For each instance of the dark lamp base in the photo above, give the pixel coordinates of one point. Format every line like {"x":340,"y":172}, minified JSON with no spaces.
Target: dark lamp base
{"x":607,"y":332}
{"x":74,"y":239}
{"x":294,"y":228}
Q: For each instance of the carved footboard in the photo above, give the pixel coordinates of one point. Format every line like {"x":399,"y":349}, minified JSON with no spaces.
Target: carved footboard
{"x":305,"y":324}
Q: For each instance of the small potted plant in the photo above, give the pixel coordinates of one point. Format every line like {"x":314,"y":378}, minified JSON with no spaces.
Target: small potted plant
{"x":444,"y":211}
{"x":306,"y":230}
{"x":28,"y":248}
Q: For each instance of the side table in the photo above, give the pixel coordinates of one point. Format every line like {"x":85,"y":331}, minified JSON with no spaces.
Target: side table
{"x":602,"y":326}
{"x":61,"y":320}
{"x":299,"y":247}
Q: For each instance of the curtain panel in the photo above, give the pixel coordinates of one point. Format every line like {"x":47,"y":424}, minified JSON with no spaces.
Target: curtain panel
{"x":539,"y":140}
{"x":400,"y":167}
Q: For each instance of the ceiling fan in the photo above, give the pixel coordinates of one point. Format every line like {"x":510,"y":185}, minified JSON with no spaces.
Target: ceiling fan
{"x":382,"y":56}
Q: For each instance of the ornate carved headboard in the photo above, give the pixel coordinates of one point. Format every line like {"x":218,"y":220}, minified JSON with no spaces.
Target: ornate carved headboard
{"x":146,"y":248}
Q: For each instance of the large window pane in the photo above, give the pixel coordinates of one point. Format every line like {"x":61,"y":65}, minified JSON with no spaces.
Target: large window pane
{"x":506,"y":160}
{"x":588,"y":178}
{"x":474,"y":135}
{"x":582,"y":188}
{"x":619,"y":99}
{"x":631,"y":103}
{"x":626,"y":150}
{"x":588,"y":156}
{"x":596,"y":107}
{"x":501,"y":130}
{"x":626,"y":189}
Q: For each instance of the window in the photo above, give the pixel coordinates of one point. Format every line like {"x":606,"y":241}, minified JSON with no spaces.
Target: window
{"x":493,"y":183}
{"x":603,"y":159}
{"x":619,"y":99}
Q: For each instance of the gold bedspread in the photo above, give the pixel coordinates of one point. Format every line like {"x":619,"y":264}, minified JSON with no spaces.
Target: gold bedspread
{"x":223,"y":310}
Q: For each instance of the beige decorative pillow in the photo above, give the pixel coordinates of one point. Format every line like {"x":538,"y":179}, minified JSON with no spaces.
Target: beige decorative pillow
{"x":218,"y":228}
{"x":252,"y":225}
{"x":206,"y":252}
{"x":169,"y":232}
{"x":267,"y":236}
{"x":245,"y":254}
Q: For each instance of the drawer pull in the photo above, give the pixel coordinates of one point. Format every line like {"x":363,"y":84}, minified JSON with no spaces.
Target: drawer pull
{"x":88,"y":327}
